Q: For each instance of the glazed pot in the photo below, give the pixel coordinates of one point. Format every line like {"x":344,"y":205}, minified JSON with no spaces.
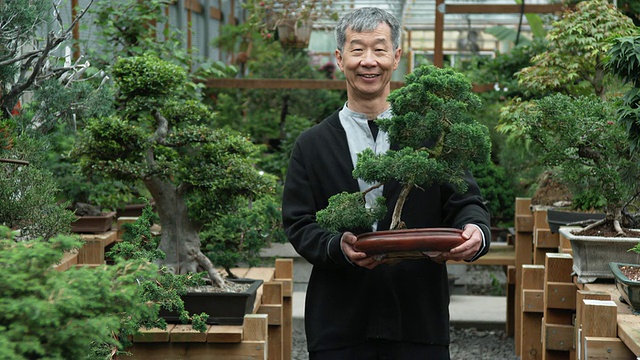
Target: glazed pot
{"x":409,"y":243}
{"x":629,"y":289}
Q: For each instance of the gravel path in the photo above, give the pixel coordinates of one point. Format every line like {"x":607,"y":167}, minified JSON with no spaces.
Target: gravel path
{"x":466,"y":343}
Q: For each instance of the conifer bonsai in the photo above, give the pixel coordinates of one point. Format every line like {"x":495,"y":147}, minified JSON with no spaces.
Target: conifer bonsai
{"x":166,"y":138}
{"x":437,"y":140}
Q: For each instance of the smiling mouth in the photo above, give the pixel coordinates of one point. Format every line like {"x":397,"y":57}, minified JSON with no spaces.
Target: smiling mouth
{"x":369,"y":76}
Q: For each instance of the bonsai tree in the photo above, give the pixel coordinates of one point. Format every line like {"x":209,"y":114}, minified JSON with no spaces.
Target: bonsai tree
{"x":166,"y":138}
{"x":578,"y":138}
{"x":437,"y":140}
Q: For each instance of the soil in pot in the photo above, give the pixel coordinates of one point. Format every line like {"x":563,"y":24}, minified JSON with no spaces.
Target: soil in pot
{"x":631,"y":272}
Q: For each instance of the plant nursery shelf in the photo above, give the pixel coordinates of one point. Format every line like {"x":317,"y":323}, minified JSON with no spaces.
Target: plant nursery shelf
{"x":266,"y":333}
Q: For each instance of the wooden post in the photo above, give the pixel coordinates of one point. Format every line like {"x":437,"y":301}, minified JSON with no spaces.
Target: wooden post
{"x":597,"y":318}
{"x":524,"y":250}
{"x":559,"y":308}
{"x":532,"y":310}
{"x":272,"y":306}
{"x":284,"y":274}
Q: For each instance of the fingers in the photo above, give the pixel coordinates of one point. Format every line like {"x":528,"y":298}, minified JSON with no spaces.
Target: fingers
{"x":469,"y":248}
{"x":357,"y":257}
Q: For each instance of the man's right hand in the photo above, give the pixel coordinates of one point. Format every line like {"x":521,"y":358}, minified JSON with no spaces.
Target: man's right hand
{"x":357,"y":257}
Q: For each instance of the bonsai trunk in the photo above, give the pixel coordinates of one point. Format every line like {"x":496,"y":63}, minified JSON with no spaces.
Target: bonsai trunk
{"x":179,"y":239}
{"x":396,"y":222}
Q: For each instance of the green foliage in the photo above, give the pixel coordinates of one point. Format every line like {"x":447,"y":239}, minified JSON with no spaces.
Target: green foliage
{"x":578,"y":44}
{"x":164,"y":289}
{"x":130,"y":28}
{"x":348,"y":210}
{"x":578,"y":138}
{"x":237,"y":237}
{"x":438,"y":138}
{"x":498,"y":191}
{"x":624,"y":61}
{"x":72,"y":314}
{"x":28,"y":193}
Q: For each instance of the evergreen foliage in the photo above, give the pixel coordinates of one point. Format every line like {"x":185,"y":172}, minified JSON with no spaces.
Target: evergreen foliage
{"x":80,"y":313}
{"x":438,"y":138}
{"x":578,"y":138}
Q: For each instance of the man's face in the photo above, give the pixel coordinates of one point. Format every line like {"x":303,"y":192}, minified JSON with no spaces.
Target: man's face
{"x":368,"y":61}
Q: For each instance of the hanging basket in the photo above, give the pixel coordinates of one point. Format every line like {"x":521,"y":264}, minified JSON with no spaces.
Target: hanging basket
{"x":295,"y":33}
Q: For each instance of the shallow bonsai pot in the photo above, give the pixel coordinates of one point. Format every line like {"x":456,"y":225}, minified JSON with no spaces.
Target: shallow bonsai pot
{"x":223,"y":308}
{"x":592,"y":254}
{"x":629,"y":289}
{"x":133,"y":210}
{"x":93,"y":224}
{"x":410,"y":243}
{"x":558,"y":218}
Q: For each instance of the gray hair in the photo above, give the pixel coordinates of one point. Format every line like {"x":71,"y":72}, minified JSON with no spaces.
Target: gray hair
{"x":366,"y":19}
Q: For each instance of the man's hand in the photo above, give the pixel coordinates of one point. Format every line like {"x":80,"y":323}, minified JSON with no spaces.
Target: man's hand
{"x":467,"y":249}
{"x":359,"y":258}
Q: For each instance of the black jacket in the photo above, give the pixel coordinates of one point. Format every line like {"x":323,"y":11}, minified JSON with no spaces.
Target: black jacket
{"x":346,"y":304}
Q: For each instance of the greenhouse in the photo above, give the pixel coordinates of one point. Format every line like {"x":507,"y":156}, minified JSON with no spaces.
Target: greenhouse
{"x":319,"y":179}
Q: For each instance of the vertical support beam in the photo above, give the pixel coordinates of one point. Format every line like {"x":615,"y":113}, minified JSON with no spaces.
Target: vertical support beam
{"x":580,"y":296}
{"x":284,"y":274}
{"x":438,"y":56}
{"x":532,"y":308}
{"x":524,"y":255}
{"x":557,"y":323}
{"x":272,"y":306}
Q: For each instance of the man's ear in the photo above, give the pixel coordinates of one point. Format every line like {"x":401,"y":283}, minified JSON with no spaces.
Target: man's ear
{"x":397,"y":56}
{"x":338,"y":55}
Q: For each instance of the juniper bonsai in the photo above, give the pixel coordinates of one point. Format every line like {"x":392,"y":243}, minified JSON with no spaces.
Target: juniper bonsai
{"x":437,"y":138}
{"x":165,"y":137}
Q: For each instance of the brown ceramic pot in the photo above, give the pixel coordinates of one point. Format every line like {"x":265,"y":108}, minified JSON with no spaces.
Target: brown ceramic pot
{"x":410,"y":243}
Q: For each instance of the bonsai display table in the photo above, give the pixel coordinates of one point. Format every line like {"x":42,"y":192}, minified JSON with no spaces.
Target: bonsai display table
{"x":264,"y":334}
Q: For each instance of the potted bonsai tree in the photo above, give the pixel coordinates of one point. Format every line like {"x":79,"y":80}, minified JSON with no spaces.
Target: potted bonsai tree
{"x":579,"y":138}
{"x":164,"y":137}
{"x":576,"y":135}
{"x":437,"y":140}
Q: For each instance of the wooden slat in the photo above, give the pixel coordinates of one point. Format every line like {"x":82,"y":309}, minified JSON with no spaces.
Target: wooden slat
{"x":153,"y":335}
{"x":610,"y":348}
{"x":561,"y":295}
{"x":502,"y":8}
{"x":225,"y":334}
{"x":186,"y":333}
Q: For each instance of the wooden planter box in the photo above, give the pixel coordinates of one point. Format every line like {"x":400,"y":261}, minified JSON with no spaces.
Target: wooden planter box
{"x":93,"y":224}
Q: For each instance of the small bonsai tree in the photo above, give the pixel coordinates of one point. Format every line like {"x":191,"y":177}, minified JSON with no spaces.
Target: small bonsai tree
{"x":578,"y":138}
{"x":166,"y":138}
{"x":437,"y":139}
